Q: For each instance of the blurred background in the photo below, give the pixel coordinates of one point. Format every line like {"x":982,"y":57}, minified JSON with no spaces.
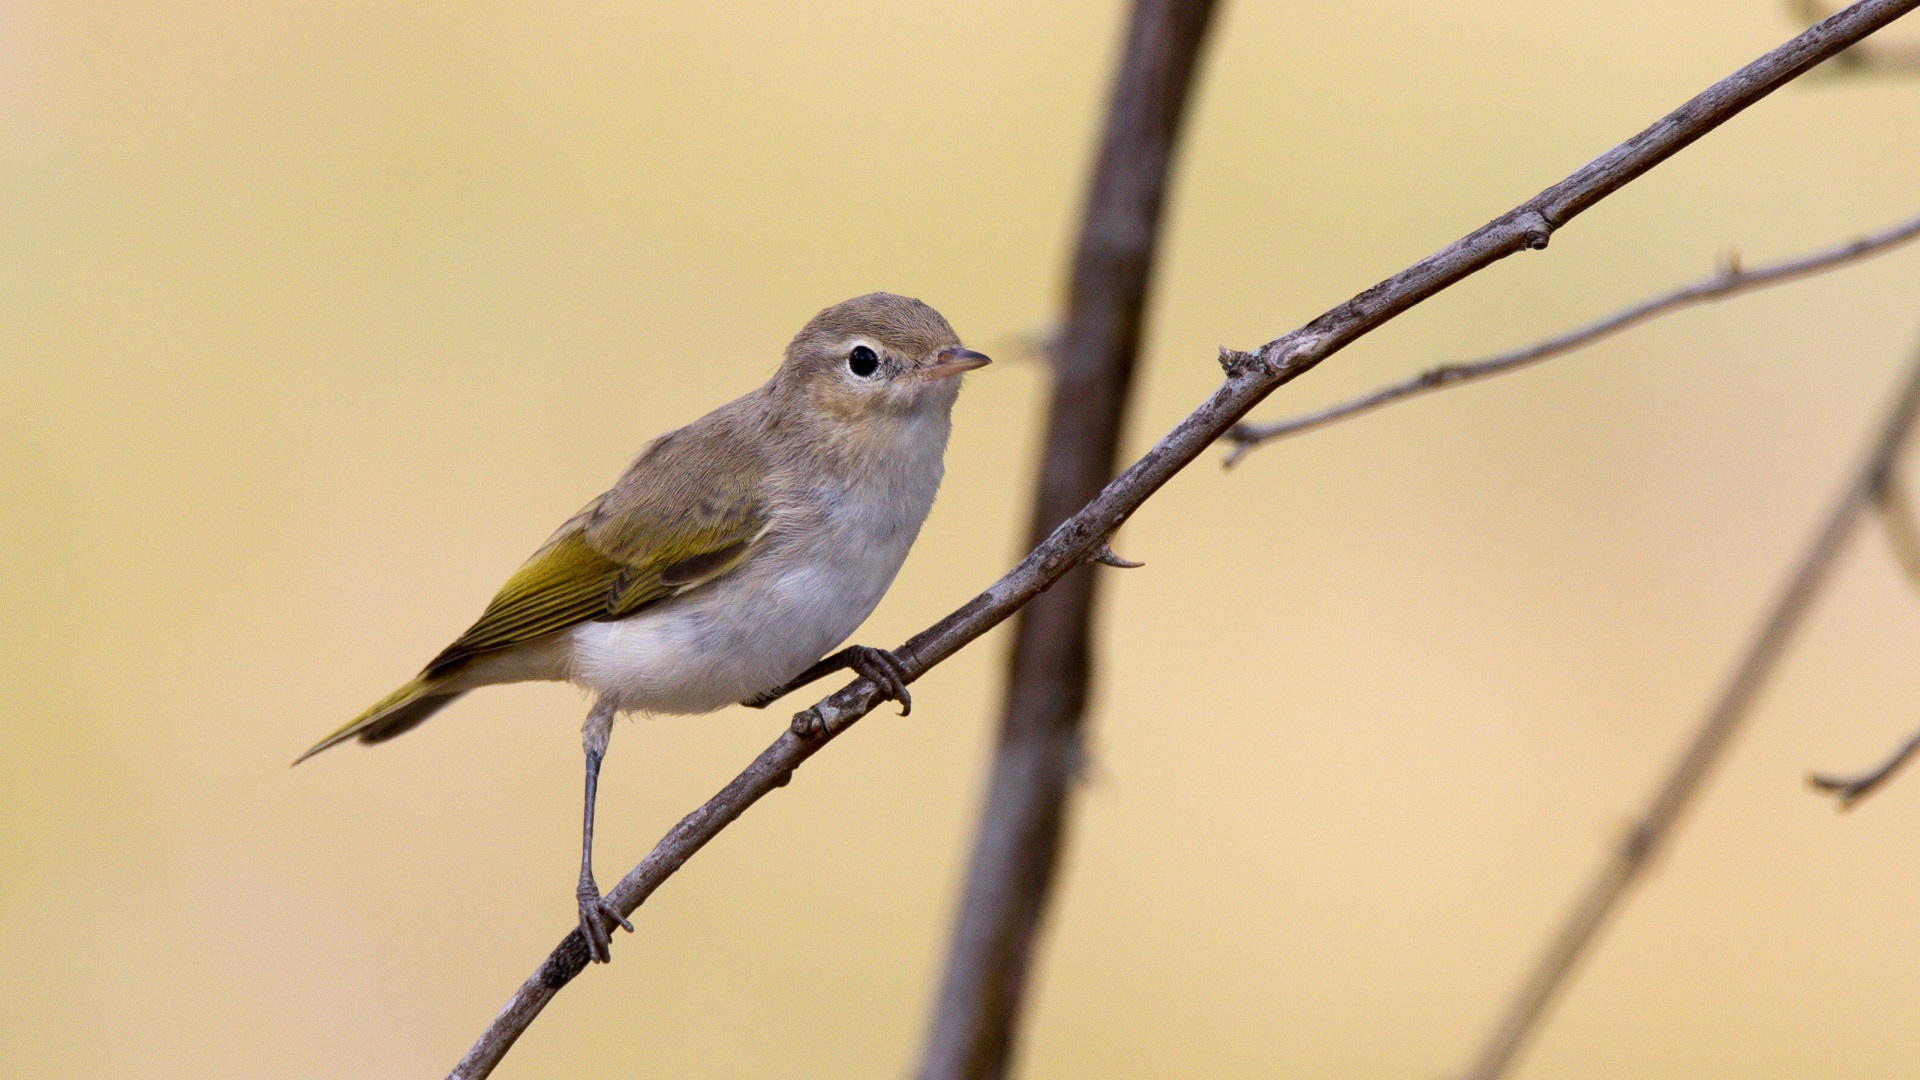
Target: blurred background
{"x":317,"y":319}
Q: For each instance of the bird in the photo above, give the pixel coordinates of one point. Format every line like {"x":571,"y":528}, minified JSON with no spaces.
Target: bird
{"x":732,"y":555}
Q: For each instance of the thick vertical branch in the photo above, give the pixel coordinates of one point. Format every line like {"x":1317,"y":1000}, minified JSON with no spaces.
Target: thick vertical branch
{"x":1017,"y":849}
{"x":1637,"y":849}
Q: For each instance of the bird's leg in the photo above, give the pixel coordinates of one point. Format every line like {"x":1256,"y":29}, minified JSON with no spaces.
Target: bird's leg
{"x":878,"y":666}
{"x":597,"y":916}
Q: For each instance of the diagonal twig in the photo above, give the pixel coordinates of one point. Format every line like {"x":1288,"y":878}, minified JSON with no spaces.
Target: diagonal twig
{"x":1676,"y":792}
{"x":1730,"y":280}
{"x":1251,"y":376}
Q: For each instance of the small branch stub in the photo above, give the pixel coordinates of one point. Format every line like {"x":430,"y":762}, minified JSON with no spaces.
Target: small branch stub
{"x":1236,"y":363}
{"x":1851,"y":789}
{"x":1105,"y":557}
{"x":809,"y":724}
{"x":1539,"y":231}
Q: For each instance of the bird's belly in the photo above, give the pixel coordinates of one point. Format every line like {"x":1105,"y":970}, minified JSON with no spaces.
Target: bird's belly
{"x":731,"y":639}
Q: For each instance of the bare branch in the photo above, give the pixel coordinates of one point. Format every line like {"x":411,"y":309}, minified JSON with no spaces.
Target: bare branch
{"x":1675,"y":793}
{"x":1903,"y":537}
{"x":1851,"y":789}
{"x":1730,"y":280}
{"x":1252,"y":376}
{"x":1016,"y":848}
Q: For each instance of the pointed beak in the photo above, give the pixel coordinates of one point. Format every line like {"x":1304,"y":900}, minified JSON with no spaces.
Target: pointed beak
{"x":952,"y":360}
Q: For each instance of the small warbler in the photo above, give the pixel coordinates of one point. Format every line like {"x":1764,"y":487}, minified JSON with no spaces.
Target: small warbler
{"x":731,"y":556}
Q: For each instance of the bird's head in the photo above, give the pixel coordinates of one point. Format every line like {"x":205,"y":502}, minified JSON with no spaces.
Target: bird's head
{"x":876,"y":356}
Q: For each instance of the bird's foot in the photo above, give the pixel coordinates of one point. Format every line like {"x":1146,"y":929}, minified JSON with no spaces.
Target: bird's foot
{"x":884,"y":670}
{"x":598,"y":917}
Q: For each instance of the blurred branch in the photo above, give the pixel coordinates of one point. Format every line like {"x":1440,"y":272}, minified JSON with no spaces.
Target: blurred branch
{"x":1897,"y":524}
{"x":1866,"y":58}
{"x":1730,"y":280}
{"x":1903,"y":536}
{"x":1016,"y":848}
{"x":1851,"y":789}
{"x":1251,"y":376}
{"x":1656,"y":824}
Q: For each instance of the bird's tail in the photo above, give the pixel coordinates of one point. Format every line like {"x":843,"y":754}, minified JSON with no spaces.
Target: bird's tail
{"x":397,"y":713}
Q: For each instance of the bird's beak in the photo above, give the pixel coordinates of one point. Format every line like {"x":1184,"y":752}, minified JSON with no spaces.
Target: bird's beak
{"x":952,"y":360}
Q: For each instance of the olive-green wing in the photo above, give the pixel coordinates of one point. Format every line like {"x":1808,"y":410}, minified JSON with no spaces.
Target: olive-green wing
{"x":668,"y":526}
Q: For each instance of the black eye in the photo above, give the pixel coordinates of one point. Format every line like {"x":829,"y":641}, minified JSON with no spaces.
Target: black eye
{"x":862,"y":361}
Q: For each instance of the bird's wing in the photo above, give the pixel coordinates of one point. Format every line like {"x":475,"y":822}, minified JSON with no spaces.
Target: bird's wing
{"x":678,"y":519}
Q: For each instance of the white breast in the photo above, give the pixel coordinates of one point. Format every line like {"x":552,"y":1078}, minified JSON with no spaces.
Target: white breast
{"x":826,"y":563}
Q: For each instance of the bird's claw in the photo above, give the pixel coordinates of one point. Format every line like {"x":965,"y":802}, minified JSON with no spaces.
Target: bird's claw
{"x":598,"y":917}
{"x":884,"y":670}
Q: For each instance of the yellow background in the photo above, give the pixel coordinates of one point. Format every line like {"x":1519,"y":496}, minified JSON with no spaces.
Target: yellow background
{"x":317,"y":317}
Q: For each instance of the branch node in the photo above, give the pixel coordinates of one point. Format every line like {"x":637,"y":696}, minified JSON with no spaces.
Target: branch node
{"x":1537,"y":230}
{"x":1846,"y":790}
{"x":1236,"y":363}
{"x":1851,"y":789}
{"x":1104,"y":556}
{"x":809,"y":724}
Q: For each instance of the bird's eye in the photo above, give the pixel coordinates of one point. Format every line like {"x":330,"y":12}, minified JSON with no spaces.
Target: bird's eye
{"x":863,"y":361}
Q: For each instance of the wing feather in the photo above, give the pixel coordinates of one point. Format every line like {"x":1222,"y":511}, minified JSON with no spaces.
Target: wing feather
{"x":677,"y":520}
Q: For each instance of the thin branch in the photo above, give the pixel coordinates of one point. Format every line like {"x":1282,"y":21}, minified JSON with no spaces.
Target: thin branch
{"x":1730,"y":280}
{"x":1851,"y":789}
{"x":1250,"y":378}
{"x":1023,"y":817}
{"x":1717,"y":729}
